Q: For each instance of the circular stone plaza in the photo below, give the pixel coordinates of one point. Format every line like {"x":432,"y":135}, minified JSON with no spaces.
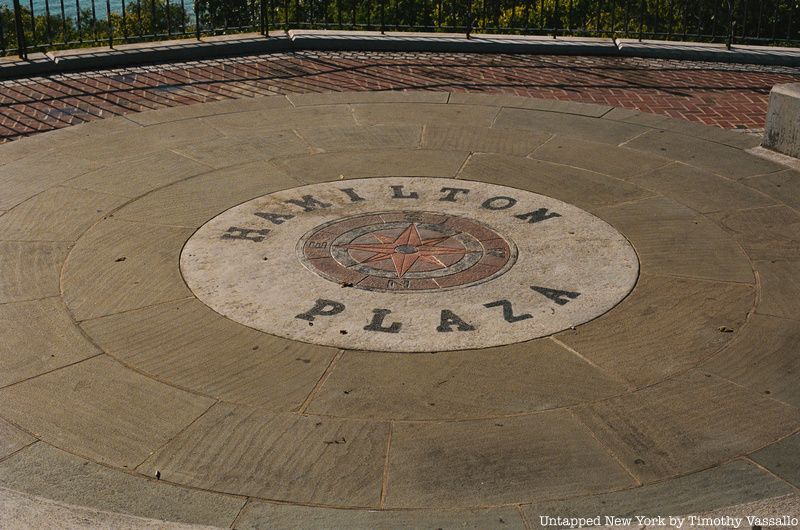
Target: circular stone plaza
{"x":446,"y":305}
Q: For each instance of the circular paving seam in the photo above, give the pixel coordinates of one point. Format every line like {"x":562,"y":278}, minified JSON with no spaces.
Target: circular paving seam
{"x":304,"y":255}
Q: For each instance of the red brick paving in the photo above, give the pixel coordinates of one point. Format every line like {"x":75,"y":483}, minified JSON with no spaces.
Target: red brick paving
{"x":724,"y":95}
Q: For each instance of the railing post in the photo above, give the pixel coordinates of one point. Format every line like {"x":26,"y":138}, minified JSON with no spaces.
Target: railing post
{"x":110,"y":25}
{"x":197,"y":28}
{"x":383,"y":22}
{"x":731,"y":24}
{"x":641,"y":20}
{"x":469,"y":18}
{"x":22,"y":50}
{"x":263,"y":17}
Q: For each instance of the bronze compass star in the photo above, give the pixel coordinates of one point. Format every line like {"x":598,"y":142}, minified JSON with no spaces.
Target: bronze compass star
{"x":406,"y":249}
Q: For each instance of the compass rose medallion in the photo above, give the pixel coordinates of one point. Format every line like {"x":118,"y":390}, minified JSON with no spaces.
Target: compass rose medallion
{"x":406,"y":251}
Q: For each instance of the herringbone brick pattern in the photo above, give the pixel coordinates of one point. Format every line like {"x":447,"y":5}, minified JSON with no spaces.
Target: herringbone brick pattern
{"x":724,"y":95}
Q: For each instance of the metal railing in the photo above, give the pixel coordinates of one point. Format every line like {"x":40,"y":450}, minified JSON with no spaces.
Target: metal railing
{"x":37,"y":25}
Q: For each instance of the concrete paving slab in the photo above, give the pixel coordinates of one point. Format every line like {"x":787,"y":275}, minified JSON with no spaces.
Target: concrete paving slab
{"x":38,"y":336}
{"x":782,"y":458}
{"x":278,"y":456}
{"x":764,"y":233}
{"x":29,"y":176}
{"x":677,"y":241}
{"x":720,"y":159}
{"x":580,"y":127}
{"x":478,"y":140}
{"x":119,"y":266}
{"x":780,"y":290}
{"x":720,"y":487}
{"x":191,"y":202}
{"x":522,"y":102}
{"x":132,"y":143}
{"x":586,"y":189}
{"x":243,"y":148}
{"x":133,"y":178}
{"x":423,"y":114}
{"x":499,"y":461}
{"x":527,"y":377}
{"x":360,"y":138}
{"x":701,"y":190}
{"x":22,"y":512}
{"x":666,"y":325}
{"x":57,"y":214}
{"x":12,"y":439}
{"x":386,"y":96}
{"x":783,"y":186}
{"x":185,"y":112}
{"x":47,"y":472}
{"x":594,"y":156}
{"x":687,"y":424}
{"x":764,"y":357}
{"x":375,"y":163}
{"x":188,"y":345}
{"x":79,"y":409}
{"x":30,"y":270}
{"x":280,"y":118}
{"x":259,"y":515}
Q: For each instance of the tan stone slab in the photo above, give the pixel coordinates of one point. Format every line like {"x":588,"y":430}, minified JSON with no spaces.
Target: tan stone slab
{"x":31,"y":175}
{"x":522,"y":102}
{"x":260,"y":122}
{"x":58,"y":214}
{"x":47,"y":472}
{"x":374,"y":163}
{"x":12,"y":439}
{"x":191,"y":202}
{"x":764,"y":357}
{"x":278,"y":456}
{"x":729,"y":137}
{"x":360,"y":138}
{"x":22,"y":511}
{"x":720,"y":487}
{"x":701,"y":190}
{"x":525,"y":377}
{"x":258,"y":515}
{"x":765,"y":233}
{"x":136,"y":177}
{"x":717,"y":158}
{"x":582,"y":188}
{"x":120,"y":266}
{"x":242,"y":148}
{"x":385,"y":96}
{"x":783,"y":186}
{"x":133,"y":144}
{"x":582,"y":127}
{"x":188,"y":345}
{"x":671,"y":239}
{"x":424,"y":113}
{"x":198,"y":110}
{"x":782,"y":458}
{"x":665,"y":326}
{"x":36,"y":337}
{"x":780,"y":288}
{"x":479,"y":140}
{"x":503,"y":461}
{"x":30,"y":270}
{"x":102,"y":411}
{"x":688,"y":423}
{"x":617,"y":162}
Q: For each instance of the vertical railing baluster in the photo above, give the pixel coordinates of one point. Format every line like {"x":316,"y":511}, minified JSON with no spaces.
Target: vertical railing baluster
{"x":47,"y":26}
{"x":63,"y":22}
{"x":124,"y":22}
{"x":78,"y":20}
{"x":714,"y":21}
{"x":183,"y":17}
{"x":139,"y":17}
{"x":744,"y":18}
{"x":153,"y":30}
{"x":22,"y":49}
{"x":641,"y":19}
{"x":197,"y":29}
{"x":110,"y":25}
